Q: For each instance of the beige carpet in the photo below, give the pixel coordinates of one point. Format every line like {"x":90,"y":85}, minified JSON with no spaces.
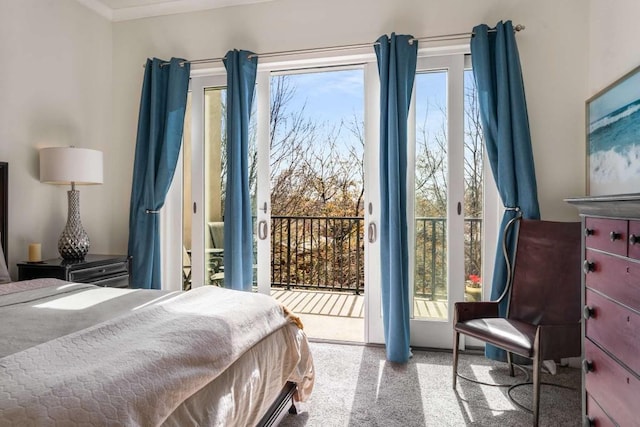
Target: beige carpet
{"x":355,"y":386}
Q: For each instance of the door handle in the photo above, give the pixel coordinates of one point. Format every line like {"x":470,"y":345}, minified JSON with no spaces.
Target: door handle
{"x":262,"y":230}
{"x":373,"y":232}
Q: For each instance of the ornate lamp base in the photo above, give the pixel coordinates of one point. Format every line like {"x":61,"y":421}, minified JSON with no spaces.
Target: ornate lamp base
{"x":74,"y":241}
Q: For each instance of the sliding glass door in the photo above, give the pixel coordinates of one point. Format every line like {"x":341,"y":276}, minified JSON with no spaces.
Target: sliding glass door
{"x":314,"y":187}
{"x":311,"y":250}
{"x":200,"y":182}
{"x":203,"y":178}
{"x":448,"y":183}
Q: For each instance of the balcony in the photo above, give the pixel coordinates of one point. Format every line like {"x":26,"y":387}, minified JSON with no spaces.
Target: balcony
{"x":317,"y":270}
{"x":318,"y":253}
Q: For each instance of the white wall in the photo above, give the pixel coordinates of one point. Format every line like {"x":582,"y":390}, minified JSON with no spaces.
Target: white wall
{"x":71,"y":77}
{"x":553,"y":51}
{"x":613,"y":42}
{"x":55,"y":90}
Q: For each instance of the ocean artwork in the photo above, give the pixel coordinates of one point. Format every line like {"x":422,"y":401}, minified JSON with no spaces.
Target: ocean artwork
{"x":613,"y":135}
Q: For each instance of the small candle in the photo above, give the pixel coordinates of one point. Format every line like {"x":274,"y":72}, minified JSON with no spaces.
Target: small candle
{"x":35,"y":252}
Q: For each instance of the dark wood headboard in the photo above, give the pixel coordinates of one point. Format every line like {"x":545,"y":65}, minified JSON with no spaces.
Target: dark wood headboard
{"x":4,"y":207}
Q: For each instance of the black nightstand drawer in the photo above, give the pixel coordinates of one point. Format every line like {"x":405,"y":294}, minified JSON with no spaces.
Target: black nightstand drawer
{"x":91,"y":275}
{"x":118,"y":281}
{"x":101,"y":270}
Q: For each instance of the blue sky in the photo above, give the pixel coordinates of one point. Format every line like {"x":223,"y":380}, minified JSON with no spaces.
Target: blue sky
{"x":431,"y":94}
{"x":330,"y":96}
{"x":336,"y":95}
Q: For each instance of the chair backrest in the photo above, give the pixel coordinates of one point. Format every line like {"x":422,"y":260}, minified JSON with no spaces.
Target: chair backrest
{"x":547,"y":273}
{"x":216,"y":229}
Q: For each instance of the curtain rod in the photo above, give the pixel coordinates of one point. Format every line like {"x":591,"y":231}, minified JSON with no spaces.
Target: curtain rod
{"x":444,"y":37}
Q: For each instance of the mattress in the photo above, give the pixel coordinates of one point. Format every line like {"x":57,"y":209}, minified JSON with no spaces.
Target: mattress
{"x":77,"y":353}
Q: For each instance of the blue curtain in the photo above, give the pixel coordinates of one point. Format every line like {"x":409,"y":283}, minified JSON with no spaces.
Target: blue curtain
{"x":503,"y":112}
{"x":160,"y":124}
{"x":238,"y":231}
{"x":397,"y":69}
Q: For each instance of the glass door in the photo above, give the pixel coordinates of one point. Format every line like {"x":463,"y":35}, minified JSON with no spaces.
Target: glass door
{"x":204,"y":181}
{"x":311,"y":196}
{"x":202,"y":169}
{"x":448,"y":204}
{"x":314,"y":160}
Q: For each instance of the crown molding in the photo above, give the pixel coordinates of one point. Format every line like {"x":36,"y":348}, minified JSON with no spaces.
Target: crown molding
{"x":98,"y":7}
{"x":160,"y":9}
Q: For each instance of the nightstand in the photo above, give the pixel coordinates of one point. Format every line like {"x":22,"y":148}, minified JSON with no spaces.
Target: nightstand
{"x":101,"y":270}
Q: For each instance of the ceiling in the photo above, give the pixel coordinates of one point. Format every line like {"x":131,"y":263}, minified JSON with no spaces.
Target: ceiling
{"x":122,"y":10}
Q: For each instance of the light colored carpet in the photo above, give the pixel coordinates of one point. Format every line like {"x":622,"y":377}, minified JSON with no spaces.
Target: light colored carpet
{"x":355,"y":386}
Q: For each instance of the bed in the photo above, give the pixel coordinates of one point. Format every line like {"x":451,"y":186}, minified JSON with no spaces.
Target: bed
{"x":74,"y":354}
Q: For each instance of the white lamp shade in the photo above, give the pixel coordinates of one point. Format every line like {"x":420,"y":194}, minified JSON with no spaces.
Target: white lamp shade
{"x":66,"y":165}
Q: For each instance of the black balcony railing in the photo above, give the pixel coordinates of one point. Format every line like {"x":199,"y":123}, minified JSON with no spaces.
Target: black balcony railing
{"x":318,"y":252}
{"x":328,"y":253}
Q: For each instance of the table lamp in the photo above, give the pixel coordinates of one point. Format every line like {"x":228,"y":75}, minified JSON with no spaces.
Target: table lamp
{"x":75,"y":166}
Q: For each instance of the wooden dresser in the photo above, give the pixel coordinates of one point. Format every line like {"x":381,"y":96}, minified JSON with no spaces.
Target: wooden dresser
{"x":611,"y":301}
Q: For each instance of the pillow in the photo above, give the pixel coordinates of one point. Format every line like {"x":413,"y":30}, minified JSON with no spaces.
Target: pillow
{"x":4,"y":273}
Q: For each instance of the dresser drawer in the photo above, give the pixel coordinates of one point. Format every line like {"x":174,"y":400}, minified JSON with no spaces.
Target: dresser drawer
{"x":117,"y":281}
{"x":614,"y":277}
{"x":634,"y":239}
{"x":612,"y":386}
{"x":609,"y":235}
{"x":597,"y":416}
{"x":89,"y":275}
{"x":615,"y":328}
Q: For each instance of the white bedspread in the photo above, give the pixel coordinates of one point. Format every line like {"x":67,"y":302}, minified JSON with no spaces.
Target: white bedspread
{"x":135,"y":369}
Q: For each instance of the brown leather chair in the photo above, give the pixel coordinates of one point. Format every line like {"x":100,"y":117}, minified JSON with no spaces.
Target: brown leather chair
{"x":543,"y":314}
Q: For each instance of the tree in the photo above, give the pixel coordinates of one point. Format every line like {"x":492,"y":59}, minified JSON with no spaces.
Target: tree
{"x":432,"y":193}
{"x":314,"y":173}
{"x":474,"y":181}
{"x":431,"y":204}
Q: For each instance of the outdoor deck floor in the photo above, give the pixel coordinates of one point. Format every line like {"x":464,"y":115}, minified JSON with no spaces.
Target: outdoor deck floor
{"x":342,"y":304}
{"x":340,"y":315}
{"x":336,"y":304}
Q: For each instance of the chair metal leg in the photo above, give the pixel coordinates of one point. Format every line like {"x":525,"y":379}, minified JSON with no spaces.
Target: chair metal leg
{"x":456,"y":339}
{"x":510,"y":363}
{"x":536,"y":388}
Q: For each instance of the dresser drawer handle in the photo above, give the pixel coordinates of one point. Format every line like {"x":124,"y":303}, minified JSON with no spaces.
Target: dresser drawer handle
{"x":588,"y":422}
{"x":587,"y":366}
{"x":614,"y":235}
{"x":589,"y":312}
{"x":588,"y":266}
{"x":633,"y":239}
{"x":589,"y":232}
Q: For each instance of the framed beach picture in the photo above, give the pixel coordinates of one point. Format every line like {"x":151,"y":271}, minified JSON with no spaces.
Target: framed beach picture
{"x":613,"y":138}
